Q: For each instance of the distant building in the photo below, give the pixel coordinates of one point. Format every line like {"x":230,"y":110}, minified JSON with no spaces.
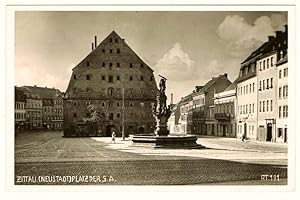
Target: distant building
{"x":33,"y":109}
{"x":225,"y":107}
{"x":282,"y":96}
{"x":118,"y":84}
{"x":44,"y":107}
{"x":20,"y":111}
{"x":194,"y":114}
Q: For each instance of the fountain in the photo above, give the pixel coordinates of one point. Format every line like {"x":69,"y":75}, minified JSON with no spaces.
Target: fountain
{"x":161,"y":138}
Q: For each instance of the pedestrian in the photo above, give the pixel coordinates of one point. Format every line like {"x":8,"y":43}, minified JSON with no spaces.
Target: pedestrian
{"x":244,"y":138}
{"x":113,"y":137}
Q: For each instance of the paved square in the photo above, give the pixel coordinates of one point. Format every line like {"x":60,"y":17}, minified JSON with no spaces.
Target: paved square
{"x":47,"y":155}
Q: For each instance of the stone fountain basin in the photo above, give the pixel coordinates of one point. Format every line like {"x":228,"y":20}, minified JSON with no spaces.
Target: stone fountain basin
{"x":170,"y":141}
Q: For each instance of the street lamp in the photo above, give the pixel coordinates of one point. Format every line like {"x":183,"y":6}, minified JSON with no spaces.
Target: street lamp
{"x":123,"y":117}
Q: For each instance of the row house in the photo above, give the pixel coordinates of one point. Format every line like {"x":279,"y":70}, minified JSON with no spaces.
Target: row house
{"x":20,"y":111}
{"x":225,"y":111}
{"x":282,"y":100}
{"x":257,"y":90}
{"x":44,"y":107}
{"x":194,"y":114}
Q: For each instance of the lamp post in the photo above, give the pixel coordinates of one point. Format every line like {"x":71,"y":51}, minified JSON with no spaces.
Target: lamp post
{"x":123,"y":117}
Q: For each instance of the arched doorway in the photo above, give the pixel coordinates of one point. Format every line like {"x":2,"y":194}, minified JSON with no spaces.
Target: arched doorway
{"x":109,"y":130}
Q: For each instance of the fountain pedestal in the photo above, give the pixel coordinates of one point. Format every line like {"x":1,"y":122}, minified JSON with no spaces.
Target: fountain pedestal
{"x":161,"y":137}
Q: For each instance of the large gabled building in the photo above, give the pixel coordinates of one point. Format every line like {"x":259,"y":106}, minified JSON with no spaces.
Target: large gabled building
{"x":118,"y":84}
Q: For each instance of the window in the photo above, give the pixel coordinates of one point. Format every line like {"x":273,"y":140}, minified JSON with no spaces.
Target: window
{"x":263,"y":106}
{"x":110,"y":64}
{"x":253,"y":108}
{"x":87,"y":63}
{"x":110,"y":91}
{"x":110,"y":40}
{"x":267,"y":83}
{"x":281,"y":55}
{"x":264,"y":65}
{"x":247,"y":109}
{"x":250,"y":108}
{"x":253,"y":87}
{"x":118,"y":115}
{"x":142,"y":78}
{"x":87,"y":89}
{"x":111,"y":116}
{"x":260,"y":106}
{"x":286,"y":110}
{"x":279,"y":132}
{"x":87,"y":77}
{"x":246,"y":89}
{"x":110,"y":79}
{"x":118,"y":51}
{"x":75,"y":115}
{"x":264,"y":85}
{"x":279,"y":73}
{"x":267,"y":106}
{"x":260,"y":66}
{"x":118,"y":104}
{"x":271,"y":105}
{"x":130,"y":65}
{"x":286,"y":91}
{"x":103,"y":78}
{"x":279,"y":112}
{"x":283,"y":111}
{"x":131,"y":104}
{"x":118,"y":78}
{"x":285,"y":72}
{"x":103,"y":104}
{"x":250,"y":88}
{"x":103,"y":64}
{"x":283,"y":92}
{"x":279,"y":93}
{"x":75,"y":77}
{"x":142,"y":65}
{"x":110,"y":51}
{"x":271,"y":82}
{"x":259,"y":85}
{"x":271,"y":61}
{"x":118,"y":64}
{"x":130,"y":78}
{"x":116,"y":40}
{"x":268,"y":63}
{"x":103,"y":50}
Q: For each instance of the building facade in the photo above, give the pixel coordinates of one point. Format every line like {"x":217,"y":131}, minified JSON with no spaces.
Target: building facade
{"x":20,"y":111}
{"x":194,"y":114}
{"x":44,"y":107}
{"x":119,"y":86}
{"x":282,"y":96}
{"x":225,"y":112}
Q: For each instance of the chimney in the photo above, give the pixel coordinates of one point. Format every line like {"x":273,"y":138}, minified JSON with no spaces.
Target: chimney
{"x":278,"y":34}
{"x":92,"y":46}
{"x":225,"y":75}
{"x":95,"y":41}
{"x":286,"y":28}
{"x":271,"y":38}
{"x":34,"y":85}
{"x":171,"y":98}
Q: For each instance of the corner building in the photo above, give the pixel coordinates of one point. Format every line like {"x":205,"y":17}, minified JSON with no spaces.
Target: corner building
{"x":118,"y":83}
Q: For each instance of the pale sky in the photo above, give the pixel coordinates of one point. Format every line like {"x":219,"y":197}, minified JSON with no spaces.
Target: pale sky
{"x":188,"y":48}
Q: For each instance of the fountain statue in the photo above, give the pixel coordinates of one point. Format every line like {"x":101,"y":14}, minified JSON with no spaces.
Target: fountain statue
{"x":161,"y":137}
{"x":161,"y":111}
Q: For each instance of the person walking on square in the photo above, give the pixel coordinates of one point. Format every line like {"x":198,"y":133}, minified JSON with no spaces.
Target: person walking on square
{"x":113,"y":137}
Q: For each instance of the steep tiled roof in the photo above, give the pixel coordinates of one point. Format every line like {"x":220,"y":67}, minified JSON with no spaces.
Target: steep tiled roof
{"x":42,"y":91}
{"x":232,"y":86}
{"x":19,"y":95}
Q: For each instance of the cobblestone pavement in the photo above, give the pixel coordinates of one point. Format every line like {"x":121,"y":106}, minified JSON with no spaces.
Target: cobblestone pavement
{"x":45,"y":157}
